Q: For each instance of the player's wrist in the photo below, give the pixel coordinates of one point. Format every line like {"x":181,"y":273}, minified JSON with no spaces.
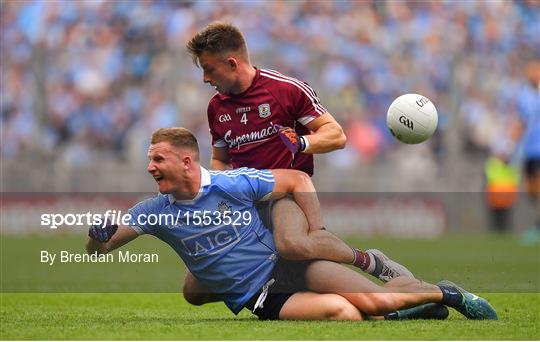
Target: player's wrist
{"x":303,"y":143}
{"x":102,"y":234}
{"x":94,"y":234}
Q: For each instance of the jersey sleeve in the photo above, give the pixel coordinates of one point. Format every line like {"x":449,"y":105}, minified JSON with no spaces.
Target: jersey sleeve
{"x":139,"y":217}
{"x":217,"y":141}
{"x":255,"y":185}
{"x":307,"y":105}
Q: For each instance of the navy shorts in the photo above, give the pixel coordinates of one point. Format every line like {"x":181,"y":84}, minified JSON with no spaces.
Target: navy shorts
{"x":289,"y":277}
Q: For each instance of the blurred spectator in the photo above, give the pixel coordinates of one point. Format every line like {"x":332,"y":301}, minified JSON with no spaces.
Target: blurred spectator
{"x":525,"y":136}
{"x":501,"y":188}
{"x":86,"y":78}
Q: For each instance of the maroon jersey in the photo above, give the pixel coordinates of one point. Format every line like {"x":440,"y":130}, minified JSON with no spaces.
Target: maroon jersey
{"x":245,"y":123}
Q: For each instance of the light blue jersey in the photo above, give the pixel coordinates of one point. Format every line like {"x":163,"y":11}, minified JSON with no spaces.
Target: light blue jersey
{"x":528,"y":102}
{"x":218,"y":234}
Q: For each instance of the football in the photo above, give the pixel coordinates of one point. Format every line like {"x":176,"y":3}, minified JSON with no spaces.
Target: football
{"x":412,"y":118}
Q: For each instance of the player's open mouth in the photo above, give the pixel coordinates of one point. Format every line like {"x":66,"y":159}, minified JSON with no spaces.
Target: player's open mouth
{"x":158,"y":178}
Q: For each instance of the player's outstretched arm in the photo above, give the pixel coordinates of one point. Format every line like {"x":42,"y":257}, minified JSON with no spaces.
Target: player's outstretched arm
{"x":327,"y":135}
{"x":300,"y":186}
{"x":108,"y":239}
{"x":220,"y":159}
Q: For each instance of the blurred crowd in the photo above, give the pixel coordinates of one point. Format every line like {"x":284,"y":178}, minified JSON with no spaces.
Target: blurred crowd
{"x":84,"y":81}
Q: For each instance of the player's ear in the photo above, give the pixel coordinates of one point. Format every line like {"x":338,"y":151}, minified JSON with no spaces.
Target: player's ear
{"x":187,"y":161}
{"x":233,"y":63}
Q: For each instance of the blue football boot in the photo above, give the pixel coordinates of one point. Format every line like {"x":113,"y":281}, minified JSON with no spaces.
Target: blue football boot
{"x":471,"y":306}
{"x":424,"y":311}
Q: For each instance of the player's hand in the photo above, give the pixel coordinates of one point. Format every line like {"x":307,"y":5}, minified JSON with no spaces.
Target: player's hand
{"x":293,"y":141}
{"x":102,"y":234}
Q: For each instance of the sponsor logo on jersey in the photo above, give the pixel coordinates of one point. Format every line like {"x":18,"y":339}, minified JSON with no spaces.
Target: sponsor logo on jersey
{"x":239,"y":140}
{"x":264,"y":110}
{"x":406,"y":122}
{"x":224,"y":118}
{"x":241,"y":110}
{"x":211,"y":242}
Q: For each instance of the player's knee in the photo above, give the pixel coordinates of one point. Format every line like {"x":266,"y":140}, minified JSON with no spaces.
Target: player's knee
{"x":196,"y":298}
{"x":191,"y":298}
{"x":343,"y":310}
{"x":375,"y":304}
{"x":293,"y":248}
{"x":346,"y":313}
{"x":190,"y":295}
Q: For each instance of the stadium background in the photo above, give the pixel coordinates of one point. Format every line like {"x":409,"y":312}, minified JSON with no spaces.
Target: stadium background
{"x":84,"y":83}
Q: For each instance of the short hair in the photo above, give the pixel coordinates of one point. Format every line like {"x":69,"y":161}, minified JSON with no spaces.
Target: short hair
{"x":217,"y":38}
{"x":178,"y":137}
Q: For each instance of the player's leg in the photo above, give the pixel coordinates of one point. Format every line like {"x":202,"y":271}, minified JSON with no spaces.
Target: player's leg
{"x":368,"y":297}
{"x":374,"y":300}
{"x":295,"y":241}
{"x":196,"y":293}
{"x":532,"y":185}
{"x":423,"y":311}
{"x":285,"y":296}
{"x":289,"y":277}
{"x":315,"y":306}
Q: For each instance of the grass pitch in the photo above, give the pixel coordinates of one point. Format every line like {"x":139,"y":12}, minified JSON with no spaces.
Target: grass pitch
{"x":35,"y":305}
{"x":168,"y":317}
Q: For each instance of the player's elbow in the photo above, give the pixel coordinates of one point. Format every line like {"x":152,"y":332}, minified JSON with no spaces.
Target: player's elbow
{"x":338,"y":137}
{"x":341,"y":140}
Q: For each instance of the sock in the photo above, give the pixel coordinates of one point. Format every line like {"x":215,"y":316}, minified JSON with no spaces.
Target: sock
{"x":365,"y":261}
{"x":451,"y":296}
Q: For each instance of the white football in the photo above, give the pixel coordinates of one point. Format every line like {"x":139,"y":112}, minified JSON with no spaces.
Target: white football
{"x":412,"y":118}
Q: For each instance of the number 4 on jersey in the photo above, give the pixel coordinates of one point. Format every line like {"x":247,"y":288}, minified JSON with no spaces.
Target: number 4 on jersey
{"x":244,"y":119}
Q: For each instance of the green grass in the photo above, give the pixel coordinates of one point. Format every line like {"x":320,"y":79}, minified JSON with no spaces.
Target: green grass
{"x":83,"y":301}
{"x":480,"y":263}
{"x":167,"y":316}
